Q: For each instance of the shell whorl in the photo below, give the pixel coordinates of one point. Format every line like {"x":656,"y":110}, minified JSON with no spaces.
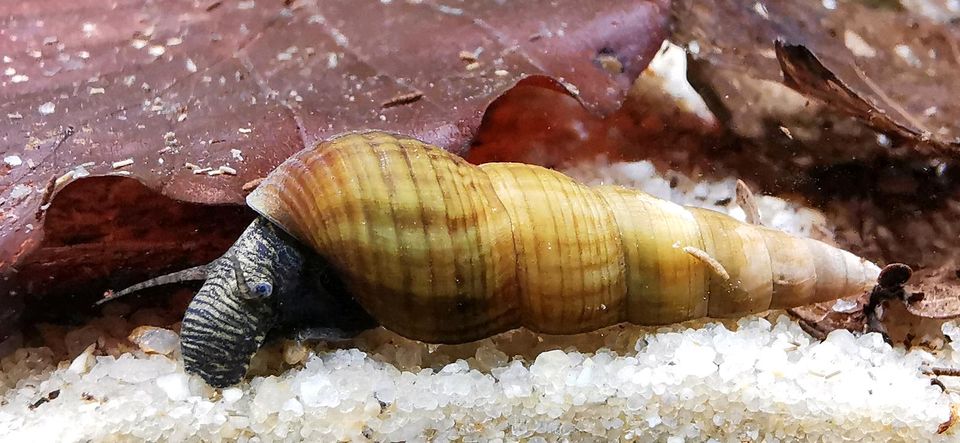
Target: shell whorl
{"x":441,"y":250}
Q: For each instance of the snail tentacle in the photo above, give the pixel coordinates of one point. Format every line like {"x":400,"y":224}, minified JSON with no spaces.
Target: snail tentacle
{"x":195,"y":273}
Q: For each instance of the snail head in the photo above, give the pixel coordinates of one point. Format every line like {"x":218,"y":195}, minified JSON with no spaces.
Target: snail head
{"x":237,"y":306}
{"x":243,"y":292}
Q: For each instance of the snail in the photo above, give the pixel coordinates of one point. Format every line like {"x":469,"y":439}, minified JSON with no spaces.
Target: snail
{"x":378,"y":226}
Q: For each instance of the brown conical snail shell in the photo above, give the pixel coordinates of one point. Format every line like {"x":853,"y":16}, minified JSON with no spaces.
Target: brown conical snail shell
{"x":439,"y":250}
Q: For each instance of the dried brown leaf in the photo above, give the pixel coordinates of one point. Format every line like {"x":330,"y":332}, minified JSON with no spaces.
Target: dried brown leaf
{"x":888,"y":67}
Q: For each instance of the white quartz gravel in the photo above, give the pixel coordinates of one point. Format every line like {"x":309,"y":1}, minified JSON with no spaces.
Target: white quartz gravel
{"x":760,"y":382}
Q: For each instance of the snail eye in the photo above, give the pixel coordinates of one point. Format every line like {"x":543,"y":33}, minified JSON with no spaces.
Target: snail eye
{"x":262,"y":289}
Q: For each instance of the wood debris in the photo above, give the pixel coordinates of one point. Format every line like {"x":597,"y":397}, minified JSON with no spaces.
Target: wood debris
{"x":748,"y":203}
{"x":402,"y":99}
{"x":122,"y":163}
{"x":702,"y":255}
{"x":195,"y":168}
{"x":468,"y":56}
{"x":252,"y":184}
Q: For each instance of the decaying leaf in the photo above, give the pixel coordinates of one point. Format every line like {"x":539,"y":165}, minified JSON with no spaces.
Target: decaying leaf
{"x":892,"y":69}
{"x":108,"y":103}
{"x":534,"y":125}
{"x":952,"y":421}
{"x":805,"y":73}
{"x":868,"y":130}
{"x":935,"y":294}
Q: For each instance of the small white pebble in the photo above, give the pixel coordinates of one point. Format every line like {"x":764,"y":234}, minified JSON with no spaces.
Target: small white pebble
{"x":907,"y":55}
{"x":231,"y":395}
{"x":191,"y":66}
{"x":47,"y":108}
{"x":449,"y":10}
{"x":83,"y":362}
{"x":175,"y":385}
{"x":857,"y":45}
{"x":228,"y":170}
{"x":761,"y":9}
{"x":95,"y":91}
{"x":500,"y":72}
{"x":156,"y":50}
{"x":244,"y":130}
{"x":155,"y":340}
{"x":13,"y":161}
{"x":20,"y":191}
{"x":844,"y":305}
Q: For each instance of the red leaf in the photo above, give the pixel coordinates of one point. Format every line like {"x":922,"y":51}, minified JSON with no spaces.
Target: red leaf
{"x":157,"y":91}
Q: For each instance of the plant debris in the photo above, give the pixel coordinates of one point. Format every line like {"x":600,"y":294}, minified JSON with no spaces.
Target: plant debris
{"x":402,"y":99}
{"x":891,"y":68}
{"x":52,"y":395}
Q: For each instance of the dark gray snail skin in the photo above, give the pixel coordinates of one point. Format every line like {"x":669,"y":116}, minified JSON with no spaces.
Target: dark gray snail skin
{"x":265,"y":284}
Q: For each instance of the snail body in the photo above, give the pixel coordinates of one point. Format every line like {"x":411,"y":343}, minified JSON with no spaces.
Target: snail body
{"x":443,"y":251}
